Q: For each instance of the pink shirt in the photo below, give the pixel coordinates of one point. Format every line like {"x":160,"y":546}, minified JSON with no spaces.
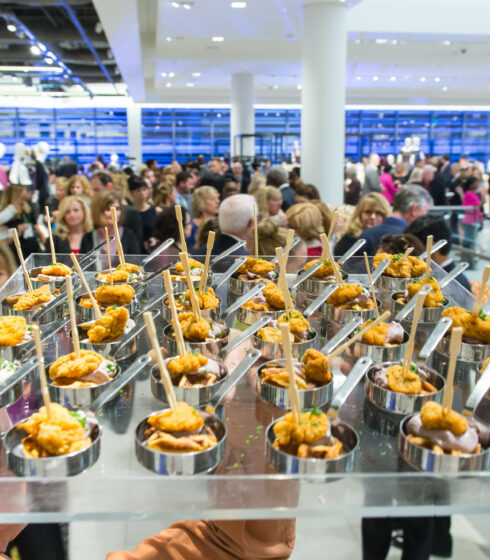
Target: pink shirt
{"x":474,"y":215}
{"x":388,"y":187}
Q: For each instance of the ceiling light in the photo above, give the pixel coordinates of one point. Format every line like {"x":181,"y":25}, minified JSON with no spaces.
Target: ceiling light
{"x":358,"y":78}
{"x":168,"y":84}
{"x":393,"y":79}
{"x":444,"y":88}
{"x":217,"y":39}
{"x":357,"y":41}
{"x":163,"y":74}
{"x":446,"y":43}
{"x":42,"y":48}
{"x":35,"y":50}
{"x":375,"y":78}
{"x":381,"y":41}
{"x":11,"y":27}
{"x":189,"y":84}
{"x":275,"y":86}
{"x":196,"y":74}
{"x":238,"y":5}
{"x":394,"y":41}
{"x":48,"y":60}
{"x":168,"y":39}
{"x":50,"y":69}
{"x":171,"y":74}
{"x":186,"y":6}
{"x":299,"y":86}
{"x":437,"y":79}
{"x":98,"y":27}
{"x":175,"y":4}
{"x":423,"y":79}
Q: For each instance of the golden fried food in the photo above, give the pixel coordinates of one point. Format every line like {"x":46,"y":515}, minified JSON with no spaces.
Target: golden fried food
{"x":297,"y":323}
{"x":274,"y":296}
{"x":316,"y":366}
{"x":403,"y":382}
{"x":434,"y":298}
{"x":162,"y":441}
{"x":280,"y":378}
{"x":375,"y":336}
{"x":12,"y":330}
{"x":31,"y":299}
{"x":56,"y":269}
{"x":193,"y":328}
{"x":71,"y":366}
{"x":117,"y":276}
{"x":184,"y":419}
{"x":271,"y":334}
{"x":325,"y":270}
{"x":474,"y":326}
{"x":59,"y":434}
{"x":109,"y":326}
{"x":130,"y":268}
{"x":321,"y":451}
{"x":116,"y":294}
{"x":312,"y":427}
{"x":484,"y":365}
{"x":206,"y":300}
{"x":435,"y":417}
{"x":410,"y":267}
{"x":187,"y":363}
{"x":259,"y":267}
{"x":195,"y":267}
{"x":344,"y":294}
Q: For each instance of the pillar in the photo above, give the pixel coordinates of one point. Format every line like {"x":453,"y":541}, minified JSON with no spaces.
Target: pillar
{"x":324,"y":59}
{"x":134,"y":135}
{"x":242,"y":117}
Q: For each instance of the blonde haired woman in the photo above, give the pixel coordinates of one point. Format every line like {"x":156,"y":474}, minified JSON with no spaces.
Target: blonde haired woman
{"x":72,"y":223}
{"x":306,"y":220}
{"x":79,"y":185}
{"x":166,"y":195}
{"x":205,"y":205}
{"x":370,"y":211}
{"x":269,"y":202}
{"x":258,"y":180}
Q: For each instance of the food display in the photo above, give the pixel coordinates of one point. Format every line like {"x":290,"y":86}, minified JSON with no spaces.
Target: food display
{"x":111,"y":325}
{"x":325,"y":272}
{"x":200,"y":330}
{"x":311,"y":438}
{"x":58,"y":270}
{"x":196,"y":269}
{"x":476,"y":328}
{"x":383,"y":334}
{"x":414,"y":381}
{"x":351,"y":296}
{"x":31,"y":300}
{"x":122,"y":273}
{"x":182,"y":431}
{"x":194,"y":370}
{"x":61,"y":433}
{"x":107,"y":295}
{"x":310,"y":372}
{"x":444,"y":431}
{"x":88,"y":370}
{"x":299,"y":327}
{"x":13,"y":330}
{"x":206,"y":300}
{"x":270,"y":299}
{"x":434,"y":298}
{"x":401,"y":266}
{"x":255,"y":269}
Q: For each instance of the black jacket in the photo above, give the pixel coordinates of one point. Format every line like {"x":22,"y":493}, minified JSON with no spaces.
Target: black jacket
{"x":437,"y":189}
{"x":344,"y":244}
{"x":132,"y":221}
{"x":129,"y":242}
{"x":288,"y":197}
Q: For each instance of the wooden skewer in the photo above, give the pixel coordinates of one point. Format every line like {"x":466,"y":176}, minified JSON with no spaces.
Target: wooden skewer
{"x":336,"y":271}
{"x":288,"y":354}
{"x":195,"y":304}
{"x":178,"y":214}
{"x":179,"y":337}
{"x":484,"y":281}
{"x":430,"y":239}
{"x":120,"y":251}
{"x":50,"y":235}
{"x":109,"y":261}
{"x":407,"y":358}
{"x":359,"y":335}
{"x":15,"y":235}
{"x":323,"y":239}
{"x":333,"y":221}
{"x":282,"y":283}
{"x":406,"y":254}
{"x":73,"y":317}
{"x":204,"y":275}
{"x":166,"y":381}
{"x":373,"y":291}
{"x":95,"y":305}
{"x":454,"y":348}
{"x":256,"y":234}
{"x":42,"y":371}
{"x":289,"y":242}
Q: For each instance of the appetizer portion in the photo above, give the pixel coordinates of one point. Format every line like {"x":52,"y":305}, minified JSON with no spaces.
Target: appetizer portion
{"x":351,"y":296}
{"x":12,"y":330}
{"x":270,"y":298}
{"x":31,"y":300}
{"x":309,"y":373}
{"x":193,"y":370}
{"x":111,"y":325}
{"x":299,"y":327}
{"x":444,"y":431}
{"x":62,"y":433}
{"x":412,"y":382}
{"x":127,"y":273}
{"x":325,"y":272}
{"x":199,"y":330}
{"x":383,"y":334}
{"x":206,"y":300}
{"x":254,"y":269}
{"x":434,"y":298}
{"x":476,"y":328}
{"x":182,"y":431}
{"x":196,"y":268}
{"x":107,"y":294}
{"x":89,"y":370}
{"x":55,"y":269}
{"x":408,"y":267}
{"x":310,"y":439}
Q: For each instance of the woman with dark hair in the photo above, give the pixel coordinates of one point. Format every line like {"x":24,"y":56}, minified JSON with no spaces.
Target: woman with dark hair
{"x":140,"y":193}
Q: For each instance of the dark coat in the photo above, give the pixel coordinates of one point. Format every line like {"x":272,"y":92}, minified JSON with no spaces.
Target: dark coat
{"x":129,"y":242}
{"x":288,"y":195}
{"x":373,"y":235}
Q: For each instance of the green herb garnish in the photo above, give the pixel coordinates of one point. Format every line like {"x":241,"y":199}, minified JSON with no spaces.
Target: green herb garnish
{"x":482,"y":315}
{"x":79,"y":415}
{"x":315,"y":412}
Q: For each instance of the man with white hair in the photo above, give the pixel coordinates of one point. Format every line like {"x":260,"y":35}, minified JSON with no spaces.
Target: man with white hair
{"x":236,"y":220}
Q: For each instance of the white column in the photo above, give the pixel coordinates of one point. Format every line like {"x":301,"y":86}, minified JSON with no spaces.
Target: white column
{"x":242,"y":118}
{"x":324,"y":58}
{"x":134,"y":134}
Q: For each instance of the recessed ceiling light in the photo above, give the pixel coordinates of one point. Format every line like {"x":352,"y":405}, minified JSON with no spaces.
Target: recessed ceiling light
{"x":189,"y":84}
{"x":358,"y":78}
{"x":446,"y":43}
{"x":196,"y":74}
{"x":444,"y":88}
{"x":238,"y":5}
{"x":35,"y":50}
{"x":393,"y":79}
{"x":163,"y":74}
{"x":423,"y":79}
{"x":375,"y":78}
{"x":175,"y":4}
{"x":299,"y":86}
{"x":437,"y":79}
{"x":394,"y":41}
{"x":218,"y":39}
{"x":186,"y":6}
{"x":275,"y":86}
{"x":168,"y":84}
{"x":48,"y":60}
{"x":42,"y":47}
{"x":171,"y":74}
{"x":11,"y":27}
{"x":169,"y":39}
{"x":381,"y":41}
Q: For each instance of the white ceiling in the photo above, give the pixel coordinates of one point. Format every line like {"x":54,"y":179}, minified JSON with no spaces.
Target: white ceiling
{"x":420,"y":51}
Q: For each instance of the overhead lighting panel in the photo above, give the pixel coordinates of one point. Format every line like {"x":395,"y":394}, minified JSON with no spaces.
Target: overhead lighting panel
{"x":12,"y":28}
{"x":217,"y":39}
{"x":239,"y":5}
{"x":35,"y":50}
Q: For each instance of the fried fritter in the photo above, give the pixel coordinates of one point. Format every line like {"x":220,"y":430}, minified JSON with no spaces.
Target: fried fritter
{"x":130,"y":268}
{"x":117,"y":276}
{"x":188,"y":363}
{"x":271,"y":334}
{"x":61,"y":434}
{"x":312,"y":426}
{"x":192,"y":328}
{"x":344,"y":293}
{"x":71,"y":366}
{"x":403,"y":382}
{"x":206,"y":300}
{"x":477,"y":327}
{"x":116,"y":294}
{"x":435,"y":417}
{"x":325,"y":270}
{"x":256,"y":266}
{"x":56,"y":269}
{"x":12,"y":330}
{"x":185,"y":418}
{"x":316,"y":366}
{"x":31,"y":299}
{"x":280,"y":378}
{"x":110,"y":326}
{"x":162,"y":441}
{"x":434,"y":298}
{"x":195,"y":267}
{"x":274,"y":296}
{"x":375,"y":336}
{"x":297,"y":323}
{"x":411,"y":267}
